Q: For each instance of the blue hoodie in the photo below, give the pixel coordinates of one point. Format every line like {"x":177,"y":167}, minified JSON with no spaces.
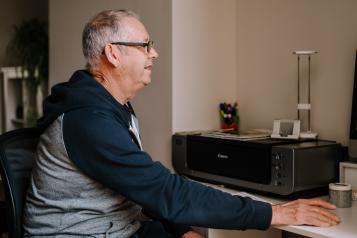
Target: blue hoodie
{"x":98,"y":141}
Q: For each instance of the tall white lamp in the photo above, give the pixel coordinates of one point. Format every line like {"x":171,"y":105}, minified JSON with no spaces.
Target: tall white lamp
{"x":305,"y":106}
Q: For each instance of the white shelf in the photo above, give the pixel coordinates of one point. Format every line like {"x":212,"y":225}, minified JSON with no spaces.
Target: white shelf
{"x":13,"y":96}
{"x":18,"y":121}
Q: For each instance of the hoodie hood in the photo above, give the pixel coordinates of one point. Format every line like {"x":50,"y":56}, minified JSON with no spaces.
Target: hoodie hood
{"x":81,"y":91}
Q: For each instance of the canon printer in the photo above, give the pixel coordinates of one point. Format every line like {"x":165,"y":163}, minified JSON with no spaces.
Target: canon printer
{"x":289,"y":168}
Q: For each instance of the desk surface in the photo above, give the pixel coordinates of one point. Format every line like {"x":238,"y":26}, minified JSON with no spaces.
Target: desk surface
{"x":346,"y":229}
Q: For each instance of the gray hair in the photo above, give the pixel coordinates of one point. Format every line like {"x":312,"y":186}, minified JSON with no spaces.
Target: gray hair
{"x":107,"y":26}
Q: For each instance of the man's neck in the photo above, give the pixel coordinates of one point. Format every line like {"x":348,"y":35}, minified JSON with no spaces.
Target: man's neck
{"x":112,"y":85}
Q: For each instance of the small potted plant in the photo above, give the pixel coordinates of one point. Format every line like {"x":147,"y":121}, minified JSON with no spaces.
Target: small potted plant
{"x":29,"y":48}
{"x":229,"y":116}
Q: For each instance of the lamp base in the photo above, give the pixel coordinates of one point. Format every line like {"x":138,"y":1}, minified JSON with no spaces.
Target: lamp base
{"x":308,"y":135}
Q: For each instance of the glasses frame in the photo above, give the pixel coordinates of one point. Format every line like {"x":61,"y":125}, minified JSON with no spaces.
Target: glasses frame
{"x":149,"y":45}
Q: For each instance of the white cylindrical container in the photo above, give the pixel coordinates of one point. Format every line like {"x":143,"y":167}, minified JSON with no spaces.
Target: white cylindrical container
{"x":354,"y":195}
{"x":340,"y":194}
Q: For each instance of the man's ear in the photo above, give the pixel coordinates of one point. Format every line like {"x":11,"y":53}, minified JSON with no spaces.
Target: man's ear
{"x":113,"y":54}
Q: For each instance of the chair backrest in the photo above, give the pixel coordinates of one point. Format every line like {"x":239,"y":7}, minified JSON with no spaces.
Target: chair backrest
{"x":17,"y":156}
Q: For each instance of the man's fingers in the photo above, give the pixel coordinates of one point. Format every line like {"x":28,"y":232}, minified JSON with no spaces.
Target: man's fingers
{"x":315,"y":215}
{"x":318,"y":202}
{"x":317,"y":220}
{"x":312,"y":202}
{"x":327,"y":214}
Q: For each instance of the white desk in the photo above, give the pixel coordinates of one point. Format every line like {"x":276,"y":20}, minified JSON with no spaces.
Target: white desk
{"x":346,"y":229}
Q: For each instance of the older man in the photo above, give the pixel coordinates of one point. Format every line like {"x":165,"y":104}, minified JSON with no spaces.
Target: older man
{"x":92,"y":178}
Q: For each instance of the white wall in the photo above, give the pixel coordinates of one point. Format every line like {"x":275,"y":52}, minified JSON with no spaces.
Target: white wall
{"x":267,"y":33}
{"x":153,"y":104}
{"x":203,"y":61}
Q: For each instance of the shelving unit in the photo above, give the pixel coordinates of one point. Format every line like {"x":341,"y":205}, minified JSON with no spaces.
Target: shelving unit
{"x":13,"y":100}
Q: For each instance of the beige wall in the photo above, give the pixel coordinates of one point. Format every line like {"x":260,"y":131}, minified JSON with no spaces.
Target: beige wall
{"x":213,"y":51}
{"x":268,"y":32}
{"x":13,"y":13}
{"x":203,"y":61}
{"x":153,"y":104}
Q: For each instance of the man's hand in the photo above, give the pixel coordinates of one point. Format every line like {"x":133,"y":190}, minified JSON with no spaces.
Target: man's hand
{"x":192,"y":234}
{"x":305,"y":212}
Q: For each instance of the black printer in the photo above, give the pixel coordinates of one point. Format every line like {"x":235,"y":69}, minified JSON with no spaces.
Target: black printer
{"x":292,"y":168}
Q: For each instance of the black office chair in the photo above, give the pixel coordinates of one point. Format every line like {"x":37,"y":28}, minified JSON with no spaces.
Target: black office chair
{"x":17,"y":156}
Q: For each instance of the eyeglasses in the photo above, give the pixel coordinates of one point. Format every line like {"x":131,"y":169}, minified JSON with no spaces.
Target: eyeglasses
{"x":148,"y":44}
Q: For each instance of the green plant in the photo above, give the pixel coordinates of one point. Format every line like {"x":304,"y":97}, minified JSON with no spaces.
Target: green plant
{"x":29,"y":48}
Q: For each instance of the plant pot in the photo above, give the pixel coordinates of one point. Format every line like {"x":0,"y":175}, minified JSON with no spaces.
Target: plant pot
{"x":31,"y":109}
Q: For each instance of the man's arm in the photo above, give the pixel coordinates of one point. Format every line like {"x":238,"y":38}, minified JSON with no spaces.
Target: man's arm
{"x":102,"y":148}
{"x":314,"y":212}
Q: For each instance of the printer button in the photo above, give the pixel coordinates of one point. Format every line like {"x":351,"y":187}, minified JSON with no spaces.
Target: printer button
{"x":277,"y":183}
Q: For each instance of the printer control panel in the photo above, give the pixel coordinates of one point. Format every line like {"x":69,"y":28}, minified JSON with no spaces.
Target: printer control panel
{"x":279,"y":169}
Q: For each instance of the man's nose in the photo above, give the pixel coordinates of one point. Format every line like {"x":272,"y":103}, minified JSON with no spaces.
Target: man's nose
{"x":153,"y":53}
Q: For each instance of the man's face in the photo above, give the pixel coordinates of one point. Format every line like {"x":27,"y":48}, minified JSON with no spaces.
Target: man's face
{"x":137,"y":63}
